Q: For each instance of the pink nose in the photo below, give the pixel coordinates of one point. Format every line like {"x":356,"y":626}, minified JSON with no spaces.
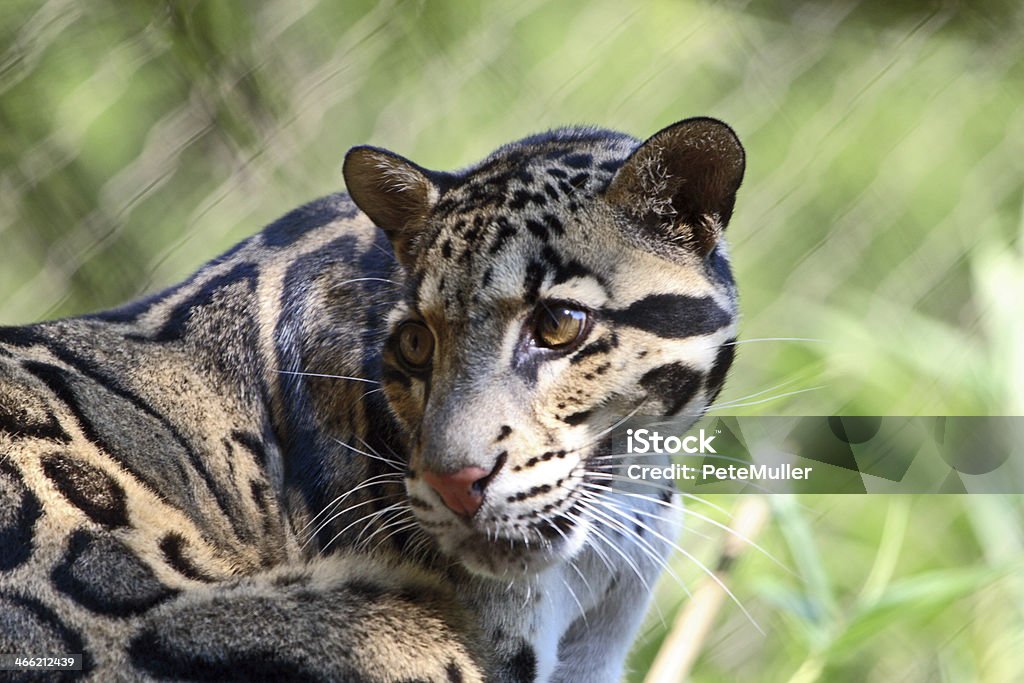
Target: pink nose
{"x":462,"y":491}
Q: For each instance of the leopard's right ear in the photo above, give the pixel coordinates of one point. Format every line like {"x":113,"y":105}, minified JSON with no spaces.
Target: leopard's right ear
{"x":394,"y":192}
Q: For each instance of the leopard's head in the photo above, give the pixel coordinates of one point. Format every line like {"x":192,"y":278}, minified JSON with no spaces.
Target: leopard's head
{"x":568,"y":280}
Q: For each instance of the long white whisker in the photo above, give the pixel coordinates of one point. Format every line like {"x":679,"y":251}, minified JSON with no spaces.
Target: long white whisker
{"x":765,"y":400}
{"x":367,"y":482}
{"x":662,"y":503}
{"x":593,"y":504}
{"x":389,"y":254}
{"x":711,"y":574}
{"x":420,"y":547}
{"x":366,"y":519}
{"x":394,"y":512}
{"x":639,"y":542}
{"x":675,"y":508}
{"x":402,"y":524}
{"x":398,"y":462}
{"x":318,"y":374}
{"x":602,"y":472}
{"x":598,"y":436}
{"x":786,"y":383}
{"x":628,"y":560}
{"x":573,"y":564}
{"x":394,"y":463}
{"x":336,"y":515}
{"x":368,"y":279}
{"x":583,"y":578}
{"x":697,"y":515}
{"x":572,"y":593}
{"x":772,"y":339}
{"x":605,"y":560}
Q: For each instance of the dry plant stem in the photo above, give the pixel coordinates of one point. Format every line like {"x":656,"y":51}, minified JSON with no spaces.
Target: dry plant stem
{"x":683,"y":643}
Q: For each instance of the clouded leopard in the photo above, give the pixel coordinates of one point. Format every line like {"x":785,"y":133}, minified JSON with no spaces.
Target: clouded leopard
{"x":371,"y":442}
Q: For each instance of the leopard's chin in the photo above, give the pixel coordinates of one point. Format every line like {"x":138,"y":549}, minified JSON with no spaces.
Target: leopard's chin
{"x":507,"y":556}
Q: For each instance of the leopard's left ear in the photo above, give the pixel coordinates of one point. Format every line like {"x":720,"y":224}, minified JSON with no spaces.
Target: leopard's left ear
{"x":682,"y":182}
{"x":394,"y":192}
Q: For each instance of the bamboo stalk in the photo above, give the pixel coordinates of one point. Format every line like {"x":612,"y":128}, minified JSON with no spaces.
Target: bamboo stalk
{"x":692,"y":624}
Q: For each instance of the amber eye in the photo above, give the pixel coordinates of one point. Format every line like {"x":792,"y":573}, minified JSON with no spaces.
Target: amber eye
{"x":415,"y":345}
{"x":559,"y":326}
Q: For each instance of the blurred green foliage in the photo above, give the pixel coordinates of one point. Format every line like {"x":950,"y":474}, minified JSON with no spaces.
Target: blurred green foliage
{"x":881,"y":217}
{"x":881,"y":213}
{"x":861,"y":588}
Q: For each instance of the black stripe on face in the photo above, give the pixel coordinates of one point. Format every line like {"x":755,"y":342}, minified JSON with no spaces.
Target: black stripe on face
{"x":673,"y":385}
{"x":394,"y":376}
{"x":577,"y":418}
{"x":672,"y":316}
{"x":538,"y":230}
{"x":716,"y":376}
{"x":602,"y":345}
{"x":505,"y":232}
{"x":532,"y":281}
{"x":565,"y":270}
{"x":560,"y":270}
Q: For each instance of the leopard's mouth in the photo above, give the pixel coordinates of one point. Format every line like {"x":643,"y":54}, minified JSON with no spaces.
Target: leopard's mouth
{"x":505,"y":538}
{"x":515,"y":520}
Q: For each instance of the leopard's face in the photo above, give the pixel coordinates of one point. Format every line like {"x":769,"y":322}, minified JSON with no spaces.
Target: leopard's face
{"x":541,"y":309}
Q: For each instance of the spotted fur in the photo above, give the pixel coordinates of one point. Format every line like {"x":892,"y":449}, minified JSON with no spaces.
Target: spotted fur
{"x":231,"y":478}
